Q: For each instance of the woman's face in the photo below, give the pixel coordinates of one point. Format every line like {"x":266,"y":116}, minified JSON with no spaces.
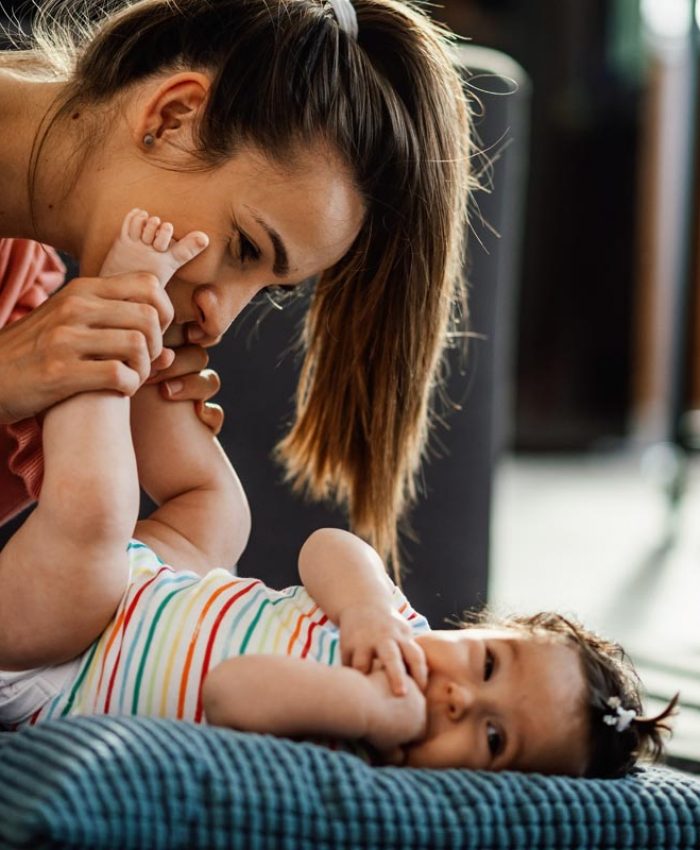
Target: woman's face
{"x":268,"y":225}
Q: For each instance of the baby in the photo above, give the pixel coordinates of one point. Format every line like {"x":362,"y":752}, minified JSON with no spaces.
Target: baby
{"x":94,"y":622}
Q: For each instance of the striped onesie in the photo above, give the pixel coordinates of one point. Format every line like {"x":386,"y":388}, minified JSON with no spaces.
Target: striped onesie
{"x":172,"y":627}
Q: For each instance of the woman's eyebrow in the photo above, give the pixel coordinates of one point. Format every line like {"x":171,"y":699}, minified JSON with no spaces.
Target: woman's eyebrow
{"x":280,"y":266}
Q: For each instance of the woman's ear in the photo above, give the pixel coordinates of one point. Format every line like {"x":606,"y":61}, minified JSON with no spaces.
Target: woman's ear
{"x":167,"y":114}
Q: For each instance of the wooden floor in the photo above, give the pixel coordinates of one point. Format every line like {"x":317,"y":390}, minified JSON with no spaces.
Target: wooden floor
{"x":594,"y":536}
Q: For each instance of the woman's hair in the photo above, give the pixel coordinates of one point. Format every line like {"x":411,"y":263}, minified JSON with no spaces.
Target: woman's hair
{"x":616,"y":740}
{"x":392,"y":106}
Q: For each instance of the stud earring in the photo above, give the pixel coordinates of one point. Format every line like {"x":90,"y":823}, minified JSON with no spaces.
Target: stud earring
{"x":149,"y":140}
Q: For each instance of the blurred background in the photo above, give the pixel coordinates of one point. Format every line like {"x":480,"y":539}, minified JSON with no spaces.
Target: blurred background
{"x":563,"y":472}
{"x":596,"y":506}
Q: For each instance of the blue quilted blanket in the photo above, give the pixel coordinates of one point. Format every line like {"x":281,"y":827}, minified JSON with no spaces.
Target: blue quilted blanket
{"x":121,"y":783}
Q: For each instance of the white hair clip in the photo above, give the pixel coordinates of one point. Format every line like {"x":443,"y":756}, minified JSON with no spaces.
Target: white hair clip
{"x":622,"y":717}
{"x":346,"y":16}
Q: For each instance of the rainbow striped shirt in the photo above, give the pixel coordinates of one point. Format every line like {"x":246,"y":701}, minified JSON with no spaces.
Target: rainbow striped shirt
{"x":172,"y":627}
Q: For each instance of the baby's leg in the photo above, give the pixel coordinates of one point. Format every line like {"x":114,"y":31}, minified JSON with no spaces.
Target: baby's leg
{"x":146,"y":244}
{"x":64,"y":572}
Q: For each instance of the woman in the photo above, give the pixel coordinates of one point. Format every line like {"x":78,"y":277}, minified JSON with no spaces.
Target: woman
{"x":306,"y":139}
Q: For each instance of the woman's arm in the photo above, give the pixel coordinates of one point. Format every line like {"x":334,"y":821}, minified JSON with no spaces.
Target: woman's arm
{"x":295,"y":697}
{"x":203,"y":520}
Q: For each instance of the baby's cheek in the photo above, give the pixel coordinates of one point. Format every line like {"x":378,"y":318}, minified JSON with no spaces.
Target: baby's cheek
{"x":445,"y":750}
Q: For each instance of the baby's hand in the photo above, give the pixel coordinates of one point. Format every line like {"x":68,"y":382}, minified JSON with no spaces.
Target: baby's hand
{"x":377,"y":633}
{"x":395,"y":720}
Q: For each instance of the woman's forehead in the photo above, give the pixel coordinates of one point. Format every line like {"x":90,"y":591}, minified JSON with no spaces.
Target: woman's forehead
{"x":315,"y":207}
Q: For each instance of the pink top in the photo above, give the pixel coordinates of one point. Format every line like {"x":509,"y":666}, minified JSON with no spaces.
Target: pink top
{"x":29,"y":273}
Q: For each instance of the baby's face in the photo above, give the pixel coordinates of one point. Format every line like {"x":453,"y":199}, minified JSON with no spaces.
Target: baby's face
{"x":500,"y":699}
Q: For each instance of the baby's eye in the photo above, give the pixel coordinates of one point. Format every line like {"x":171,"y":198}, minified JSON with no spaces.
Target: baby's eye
{"x":488,"y":665}
{"x":494,"y":739}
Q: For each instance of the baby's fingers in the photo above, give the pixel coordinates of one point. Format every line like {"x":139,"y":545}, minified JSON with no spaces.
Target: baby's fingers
{"x":362,"y":660}
{"x":392,"y":660}
{"x":414,"y":656}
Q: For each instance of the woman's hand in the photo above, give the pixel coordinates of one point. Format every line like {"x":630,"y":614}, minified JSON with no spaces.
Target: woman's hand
{"x":377,"y":633}
{"x":188,"y":379}
{"x":94,"y":334}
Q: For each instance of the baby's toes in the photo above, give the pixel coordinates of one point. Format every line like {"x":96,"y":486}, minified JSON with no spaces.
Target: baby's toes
{"x":135,"y":222}
{"x":150,"y":229}
{"x":189,"y":246}
{"x":163,"y":236}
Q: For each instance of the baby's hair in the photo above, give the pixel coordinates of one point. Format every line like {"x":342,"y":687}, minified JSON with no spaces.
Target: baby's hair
{"x":611,"y":681}
{"x":390,"y":105}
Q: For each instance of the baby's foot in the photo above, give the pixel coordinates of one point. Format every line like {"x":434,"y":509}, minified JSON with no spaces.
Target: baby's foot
{"x":146,"y":244}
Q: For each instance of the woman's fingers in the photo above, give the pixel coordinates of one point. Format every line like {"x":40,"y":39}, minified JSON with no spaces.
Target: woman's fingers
{"x":113,"y":374}
{"x":212,"y":415}
{"x":189,"y":359}
{"x":164,"y":360}
{"x":139,"y":287}
{"x":89,"y":375}
{"x":142,"y":308}
{"x":127,"y":346}
{"x":198,"y":386}
{"x":128,"y":317}
{"x":187,"y":380}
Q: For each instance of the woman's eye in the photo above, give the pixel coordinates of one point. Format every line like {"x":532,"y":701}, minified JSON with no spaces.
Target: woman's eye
{"x":246,"y":249}
{"x":494,"y":739}
{"x":488,"y":665}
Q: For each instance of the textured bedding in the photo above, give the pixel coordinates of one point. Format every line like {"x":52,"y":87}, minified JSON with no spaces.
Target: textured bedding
{"x":120,"y":783}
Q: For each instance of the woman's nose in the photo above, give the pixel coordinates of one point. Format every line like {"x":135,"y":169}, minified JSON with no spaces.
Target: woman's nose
{"x":216,"y":308}
{"x":460,"y":699}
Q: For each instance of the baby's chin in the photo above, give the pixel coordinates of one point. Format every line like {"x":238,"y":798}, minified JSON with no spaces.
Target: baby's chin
{"x":412,"y":756}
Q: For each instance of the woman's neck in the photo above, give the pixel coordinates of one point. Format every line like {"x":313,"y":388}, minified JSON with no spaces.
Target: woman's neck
{"x":25,"y":102}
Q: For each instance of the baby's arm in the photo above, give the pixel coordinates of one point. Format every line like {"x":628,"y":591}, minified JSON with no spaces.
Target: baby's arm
{"x":340,"y":571}
{"x":346,"y":577}
{"x":295,"y":697}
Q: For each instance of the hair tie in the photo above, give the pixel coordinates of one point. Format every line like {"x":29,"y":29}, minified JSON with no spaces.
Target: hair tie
{"x":345,"y":15}
{"x":622,"y":717}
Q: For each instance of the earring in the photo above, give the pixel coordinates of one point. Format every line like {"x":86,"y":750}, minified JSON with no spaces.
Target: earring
{"x":149,"y":140}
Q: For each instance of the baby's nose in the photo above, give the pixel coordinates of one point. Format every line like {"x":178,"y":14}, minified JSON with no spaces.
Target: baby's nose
{"x":460,"y":700}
